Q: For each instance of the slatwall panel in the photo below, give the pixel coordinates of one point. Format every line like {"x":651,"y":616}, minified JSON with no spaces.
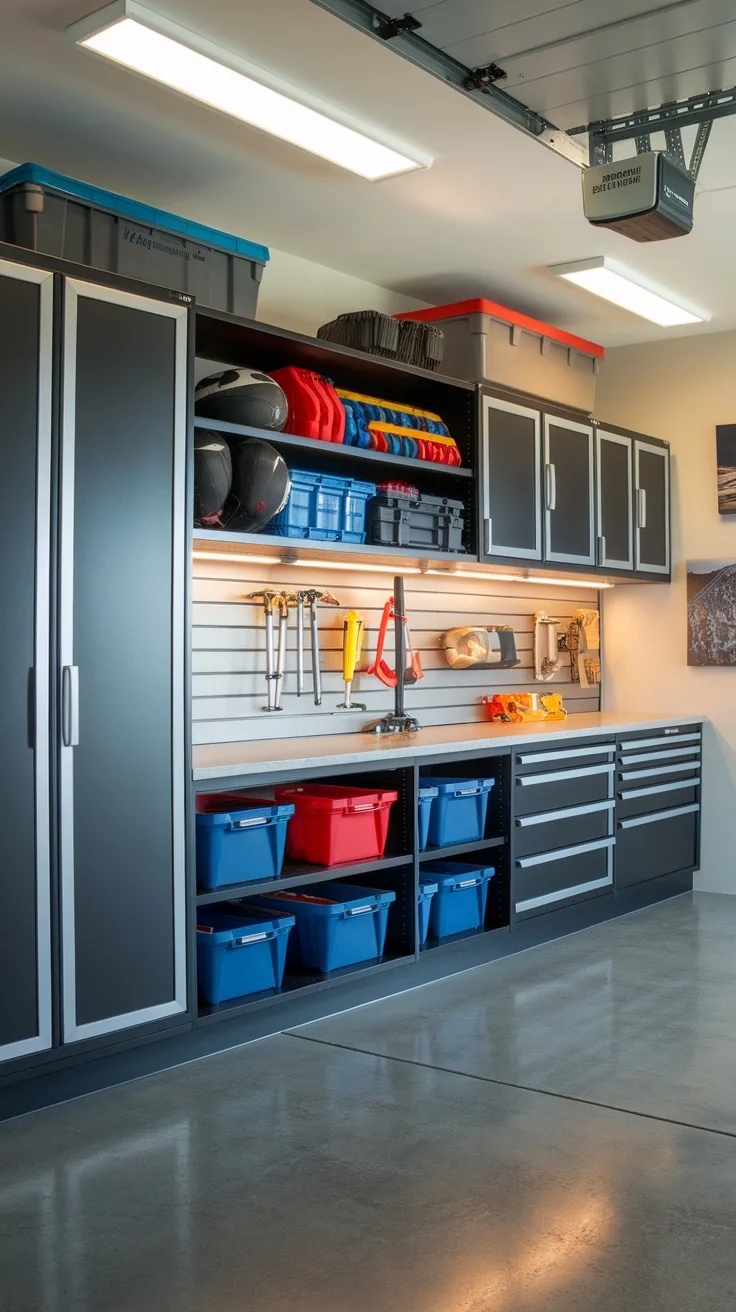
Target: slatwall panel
{"x":228,"y":656}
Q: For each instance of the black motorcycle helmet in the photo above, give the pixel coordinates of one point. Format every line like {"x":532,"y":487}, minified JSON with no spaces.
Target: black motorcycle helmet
{"x":213,"y":475}
{"x":242,"y":396}
{"x":260,"y":485}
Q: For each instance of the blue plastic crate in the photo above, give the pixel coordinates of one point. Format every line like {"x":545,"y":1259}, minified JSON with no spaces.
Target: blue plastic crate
{"x":239,"y":954}
{"x":323,"y":507}
{"x":345,"y":925}
{"x":460,"y":901}
{"x":459,"y":812}
{"x":241,"y":844}
{"x":426,"y":798}
{"x":427,"y":890}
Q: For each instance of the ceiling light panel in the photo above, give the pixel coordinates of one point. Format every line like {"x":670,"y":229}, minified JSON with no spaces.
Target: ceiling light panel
{"x":603,"y":277}
{"x":150,"y":45}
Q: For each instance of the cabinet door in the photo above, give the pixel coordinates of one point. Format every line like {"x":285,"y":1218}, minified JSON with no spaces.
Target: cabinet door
{"x":122,"y":569}
{"x":652,"y":500}
{"x":26,"y":316}
{"x":614,"y":500}
{"x":512,"y":513}
{"x":568,"y":491}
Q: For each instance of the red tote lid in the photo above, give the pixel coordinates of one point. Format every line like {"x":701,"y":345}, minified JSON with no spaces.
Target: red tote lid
{"x":502,"y":312}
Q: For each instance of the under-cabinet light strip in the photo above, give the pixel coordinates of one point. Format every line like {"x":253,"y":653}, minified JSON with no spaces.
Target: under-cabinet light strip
{"x":364,"y":568}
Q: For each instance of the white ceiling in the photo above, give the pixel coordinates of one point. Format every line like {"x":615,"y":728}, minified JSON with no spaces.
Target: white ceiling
{"x":494,"y":210}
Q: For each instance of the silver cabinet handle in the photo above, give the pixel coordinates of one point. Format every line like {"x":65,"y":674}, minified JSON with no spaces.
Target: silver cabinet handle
{"x":672,"y":754}
{"x":564,"y":754}
{"x":659,"y":815}
{"x":577,"y":890}
{"x":488,"y":534}
{"x":601,"y":549}
{"x":565,"y":813}
{"x":530,"y":780}
{"x":70,"y":705}
{"x":693,"y":781}
{"x":626,"y":775}
{"x":641,"y":507}
{"x":668,"y":740}
{"x":561,"y":854}
{"x":550,"y":487}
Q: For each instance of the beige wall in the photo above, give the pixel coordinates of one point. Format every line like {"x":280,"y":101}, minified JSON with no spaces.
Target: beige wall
{"x":678,"y":390}
{"x":299,"y":295}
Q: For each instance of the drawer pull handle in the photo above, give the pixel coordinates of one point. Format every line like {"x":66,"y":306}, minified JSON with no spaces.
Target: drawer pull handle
{"x":693,"y":781}
{"x":578,"y":849}
{"x":530,"y":903}
{"x":673,"y":740}
{"x":659,"y":756}
{"x":625,"y":775}
{"x":555,"y":776}
{"x":659,"y":815}
{"x":565,"y":813}
{"x":565,"y":755}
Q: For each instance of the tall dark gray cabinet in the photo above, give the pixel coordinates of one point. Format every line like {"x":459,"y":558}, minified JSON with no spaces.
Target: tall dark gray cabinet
{"x":92,"y":590}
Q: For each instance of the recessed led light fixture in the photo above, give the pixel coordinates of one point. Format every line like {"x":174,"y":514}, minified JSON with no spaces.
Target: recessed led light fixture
{"x":364,"y":567}
{"x":603,"y":277}
{"x":140,"y":39}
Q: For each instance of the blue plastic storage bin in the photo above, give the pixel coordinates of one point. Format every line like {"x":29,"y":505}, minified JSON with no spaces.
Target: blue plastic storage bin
{"x":427,"y":890}
{"x":323,"y":507}
{"x":239,"y":954}
{"x":460,"y":901}
{"x":343,"y":925}
{"x":426,"y":798}
{"x":459,"y":812}
{"x":241,"y":844}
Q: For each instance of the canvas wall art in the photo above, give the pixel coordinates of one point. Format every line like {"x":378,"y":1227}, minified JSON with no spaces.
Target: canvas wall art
{"x":711,"y":612}
{"x":726,"y":457}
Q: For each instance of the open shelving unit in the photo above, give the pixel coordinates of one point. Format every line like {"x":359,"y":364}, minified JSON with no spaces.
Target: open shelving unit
{"x":295,"y":876}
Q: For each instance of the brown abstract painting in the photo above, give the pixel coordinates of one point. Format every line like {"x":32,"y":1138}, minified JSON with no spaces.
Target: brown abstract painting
{"x":711,"y":612}
{"x":726,"y":456}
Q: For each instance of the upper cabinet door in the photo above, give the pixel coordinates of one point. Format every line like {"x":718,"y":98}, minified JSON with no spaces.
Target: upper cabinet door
{"x":26,"y":323}
{"x":122,"y":698}
{"x":614,"y":500}
{"x":511,"y":502}
{"x":568,"y":492}
{"x":652,"y":507}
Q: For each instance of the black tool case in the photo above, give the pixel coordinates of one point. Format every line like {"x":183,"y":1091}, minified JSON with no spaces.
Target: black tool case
{"x":397,"y":520}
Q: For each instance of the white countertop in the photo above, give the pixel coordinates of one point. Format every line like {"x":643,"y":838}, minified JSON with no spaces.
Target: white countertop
{"x":230,"y":760}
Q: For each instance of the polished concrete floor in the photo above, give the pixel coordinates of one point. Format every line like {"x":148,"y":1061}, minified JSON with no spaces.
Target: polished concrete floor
{"x":550,"y":1133}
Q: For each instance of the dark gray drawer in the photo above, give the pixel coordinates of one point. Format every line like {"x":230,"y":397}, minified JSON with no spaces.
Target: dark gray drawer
{"x":570,"y":757}
{"x":639,"y":796}
{"x":656,"y":844}
{"x":658,"y":757}
{"x":571,"y":874}
{"x":551,"y":790}
{"x":684,"y":733}
{"x":565,"y":828}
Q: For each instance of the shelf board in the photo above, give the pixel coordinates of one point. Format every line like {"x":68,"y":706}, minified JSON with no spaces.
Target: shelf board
{"x":433,"y":943}
{"x":294,"y":983}
{"x":294,"y":875}
{"x":310,"y":549}
{"x":334,"y":450}
{"x":459,"y":849}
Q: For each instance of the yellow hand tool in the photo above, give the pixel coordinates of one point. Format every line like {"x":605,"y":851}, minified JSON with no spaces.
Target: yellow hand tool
{"x":352,"y":642}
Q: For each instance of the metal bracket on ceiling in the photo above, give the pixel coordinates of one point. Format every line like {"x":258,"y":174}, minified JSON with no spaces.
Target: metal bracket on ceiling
{"x":481,"y":79}
{"x":670,"y":119}
{"x":388,"y":28}
{"x":367,"y":19}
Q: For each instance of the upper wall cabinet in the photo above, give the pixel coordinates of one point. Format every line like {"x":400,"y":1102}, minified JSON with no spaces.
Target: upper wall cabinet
{"x":568,"y":493}
{"x":511,"y":501}
{"x":569,"y":511}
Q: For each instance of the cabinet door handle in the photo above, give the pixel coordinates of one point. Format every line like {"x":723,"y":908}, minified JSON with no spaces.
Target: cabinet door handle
{"x":555,"y":776}
{"x":659,"y":815}
{"x":70,"y":705}
{"x":601,"y":549}
{"x":550,"y":487}
{"x":488,"y":535}
{"x":564,"y":813}
{"x":641,"y":507}
{"x":565,"y":754}
{"x":562,"y":853}
{"x":692,"y":781}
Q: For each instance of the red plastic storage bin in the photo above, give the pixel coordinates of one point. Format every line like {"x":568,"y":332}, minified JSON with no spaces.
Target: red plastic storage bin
{"x":333,"y":825}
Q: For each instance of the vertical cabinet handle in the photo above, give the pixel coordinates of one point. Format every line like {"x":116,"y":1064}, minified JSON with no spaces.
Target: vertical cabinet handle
{"x":70,"y":706}
{"x":488,"y":536}
{"x":601,"y":549}
{"x":550,"y":487}
{"x":641,"y":507}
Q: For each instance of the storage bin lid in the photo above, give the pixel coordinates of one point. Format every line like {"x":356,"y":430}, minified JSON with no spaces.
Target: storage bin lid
{"x":238,"y":811}
{"x":459,"y":309}
{"x":455,"y":874}
{"x":355,"y":486}
{"x":216,"y":928}
{"x":330,"y":899}
{"x":428,"y":791}
{"x":427,"y":887}
{"x":457,"y":787}
{"x":330,"y":797}
{"x":133,"y":209}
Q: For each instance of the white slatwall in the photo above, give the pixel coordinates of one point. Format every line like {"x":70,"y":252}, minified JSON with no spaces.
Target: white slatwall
{"x":228,"y":650}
